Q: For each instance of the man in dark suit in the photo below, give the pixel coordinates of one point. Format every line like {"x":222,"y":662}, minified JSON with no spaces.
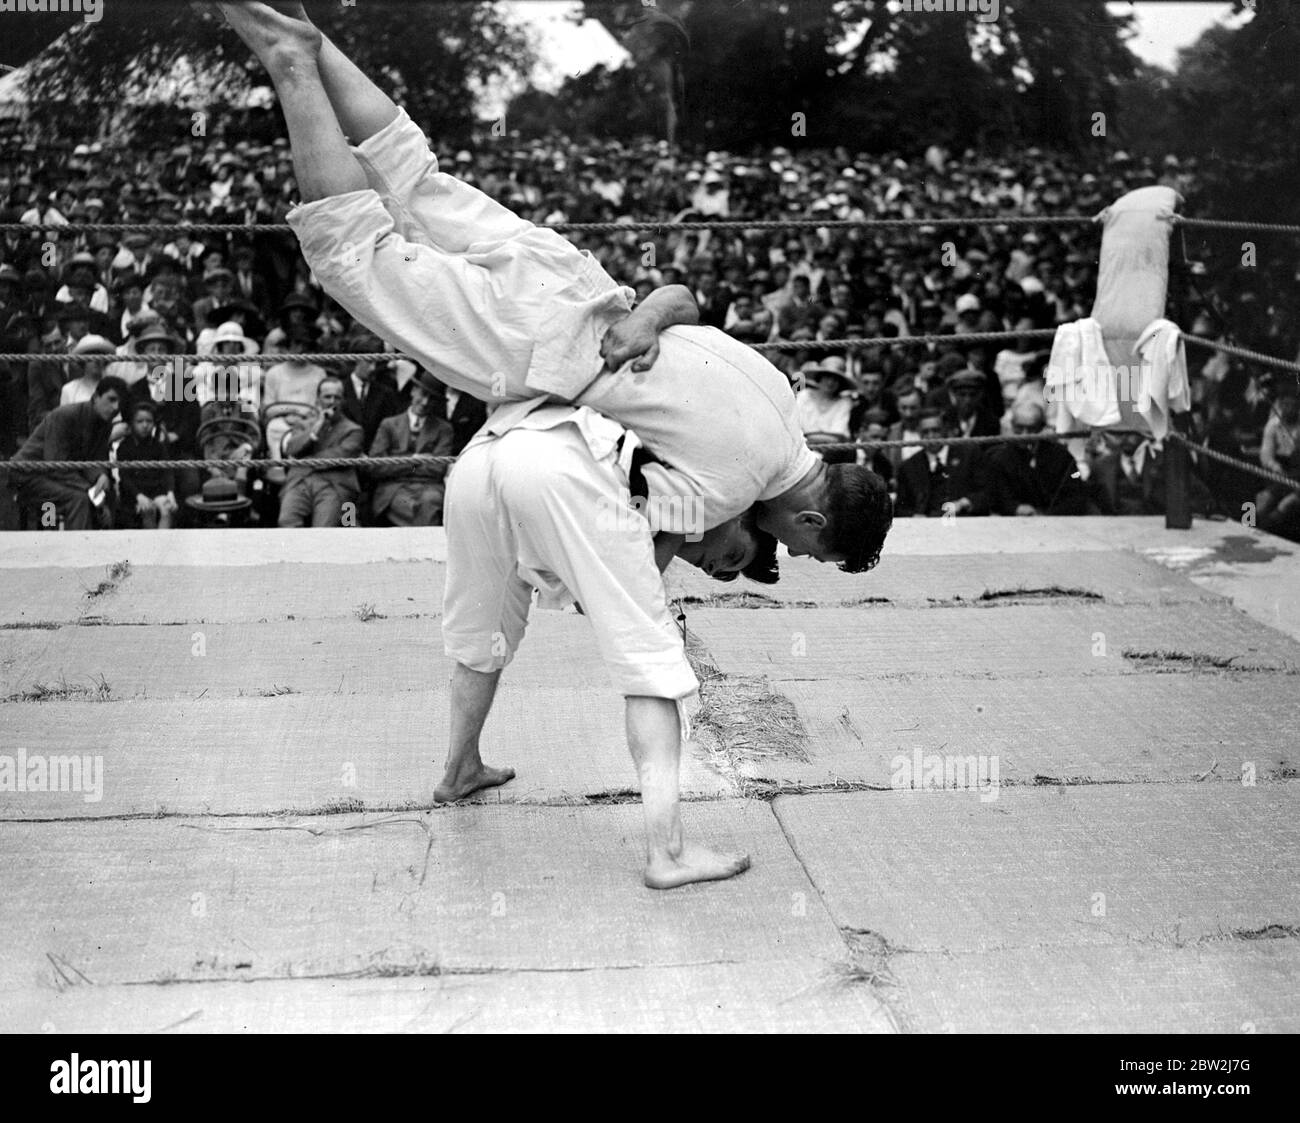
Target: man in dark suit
{"x":73,"y":432}
{"x":948,"y":480}
{"x":1034,"y":478}
{"x":369,"y":393}
{"x":411,"y":495}
{"x":465,"y":414}
{"x":249,"y":284}
{"x":1130,"y":480}
{"x":316,"y":496}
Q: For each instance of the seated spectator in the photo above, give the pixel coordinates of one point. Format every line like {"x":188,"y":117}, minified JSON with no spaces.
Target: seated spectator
{"x":797,"y":310}
{"x":219,"y":284}
{"x":238,"y":311}
{"x":907,"y":427}
{"x":827,"y":409}
{"x":1034,"y":477}
{"x":79,"y":498}
{"x":1009,"y":364}
{"x":81,"y":388}
{"x":948,"y":480}
{"x":316,"y":496}
{"x":966,"y":393}
{"x":1130,"y":479}
{"x":873,"y":395}
{"x":875,"y":427}
{"x":466,"y":415}
{"x":249,"y":284}
{"x":223,"y":379}
{"x":370,"y":391}
{"x":147,"y":496}
{"x":80,"y":275}
{"x":747,"y":320}
{"x":411,"y":495}
{"x":1277,"y":505}
{"x":297,"y":308}
{"x":289,"y":389}
{"x":173,"y":392}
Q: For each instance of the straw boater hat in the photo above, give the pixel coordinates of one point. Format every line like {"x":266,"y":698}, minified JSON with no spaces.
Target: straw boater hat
{"x":231,"y":332}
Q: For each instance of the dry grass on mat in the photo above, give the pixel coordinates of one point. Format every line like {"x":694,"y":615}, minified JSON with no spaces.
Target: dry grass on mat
{"x":97,"y":690}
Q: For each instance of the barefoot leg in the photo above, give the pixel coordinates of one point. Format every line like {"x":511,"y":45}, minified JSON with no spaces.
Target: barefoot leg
{"x":290,"y":50}
{"x":654,"y":738}
{"x":471,"y":699}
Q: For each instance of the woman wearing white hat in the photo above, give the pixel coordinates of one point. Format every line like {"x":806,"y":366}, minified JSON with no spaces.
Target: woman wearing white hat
{"x":81,"y":388}
{"x":245,"y":379}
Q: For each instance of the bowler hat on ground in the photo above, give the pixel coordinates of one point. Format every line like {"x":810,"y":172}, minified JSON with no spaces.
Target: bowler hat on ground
{"x":219,"y":494}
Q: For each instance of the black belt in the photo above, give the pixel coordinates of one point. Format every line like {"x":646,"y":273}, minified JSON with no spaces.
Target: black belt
{"x":641,"y":456}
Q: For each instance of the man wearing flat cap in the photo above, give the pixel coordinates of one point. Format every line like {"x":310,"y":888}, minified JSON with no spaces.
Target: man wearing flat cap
{"x":966,"y":389}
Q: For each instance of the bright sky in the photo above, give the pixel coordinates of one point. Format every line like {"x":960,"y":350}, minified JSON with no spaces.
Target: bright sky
{"x":569,"y":48}
{"x":1164,"y":27}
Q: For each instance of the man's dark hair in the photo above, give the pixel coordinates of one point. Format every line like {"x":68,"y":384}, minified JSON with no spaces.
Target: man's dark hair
{"x":930,"y":412}
{"x":110,"y":382}
{"x":763,"y":569}
{"x":142,"y":405}
{"x":859,"y":514}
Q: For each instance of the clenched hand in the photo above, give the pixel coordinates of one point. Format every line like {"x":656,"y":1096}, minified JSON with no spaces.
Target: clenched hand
{"x":630,"y":339}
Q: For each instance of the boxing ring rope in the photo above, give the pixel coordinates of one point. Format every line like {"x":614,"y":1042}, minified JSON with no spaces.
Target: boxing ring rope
{"x":776,"y":346}
{"x":573,"y":227}
{"x":415,"y":458}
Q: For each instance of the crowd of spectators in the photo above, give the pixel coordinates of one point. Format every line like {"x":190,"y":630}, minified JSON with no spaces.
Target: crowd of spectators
{"x":231,"y":295}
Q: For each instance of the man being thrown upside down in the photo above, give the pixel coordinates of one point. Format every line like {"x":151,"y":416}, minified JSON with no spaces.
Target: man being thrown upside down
{"x":695,"y":423}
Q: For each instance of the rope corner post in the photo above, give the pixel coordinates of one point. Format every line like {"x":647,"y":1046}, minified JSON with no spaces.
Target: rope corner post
{"x":1178,"y":476}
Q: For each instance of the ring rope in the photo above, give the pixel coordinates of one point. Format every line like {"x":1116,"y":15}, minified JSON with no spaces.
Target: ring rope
{"x":666,"y":224}
{"x":416,"y":458}
{"x":1242,"y":465}
{"x":1226,"y":224}
{"x":389,"y":356}
{"x":578,"y":227}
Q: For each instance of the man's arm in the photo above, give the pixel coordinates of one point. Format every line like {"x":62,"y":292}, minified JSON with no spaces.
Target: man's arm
{"x":1268,"y":448}
{"x":636,"y":336}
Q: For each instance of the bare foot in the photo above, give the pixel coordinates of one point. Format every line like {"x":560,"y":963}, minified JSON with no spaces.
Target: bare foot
{"x":277,"y":37}
{"x":458,"y":786}
{"x":694,"y":863}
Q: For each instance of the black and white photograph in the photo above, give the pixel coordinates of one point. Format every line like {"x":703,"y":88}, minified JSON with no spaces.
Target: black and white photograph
{"x":650,"y":517}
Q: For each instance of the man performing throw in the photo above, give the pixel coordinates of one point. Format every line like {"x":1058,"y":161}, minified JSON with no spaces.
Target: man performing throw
{"x":513,"y":314}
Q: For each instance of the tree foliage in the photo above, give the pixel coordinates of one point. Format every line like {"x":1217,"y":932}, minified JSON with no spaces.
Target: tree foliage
{"x":430,"y":57}
{"x":872,"y":76}
{"x":1234,"y":105}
